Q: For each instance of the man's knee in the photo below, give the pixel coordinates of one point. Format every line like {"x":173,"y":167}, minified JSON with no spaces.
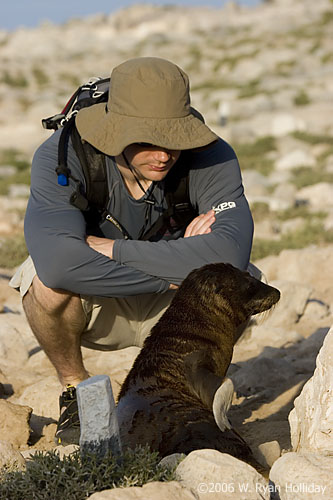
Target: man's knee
{"x":52,"y":301}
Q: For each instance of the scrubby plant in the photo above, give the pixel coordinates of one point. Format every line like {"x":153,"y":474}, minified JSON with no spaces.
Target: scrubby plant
{"x":11,"y":156}
{"x":17,"y":80}
{"x":253,"y":155}
{"x":306,"y":176}
{"x":76,"y":477}
{"x":40,"y":76}
{"x":301,"y":99}
{"x":13,"y":251}
{"x":312,"y":233}
{"x":312,"y":138}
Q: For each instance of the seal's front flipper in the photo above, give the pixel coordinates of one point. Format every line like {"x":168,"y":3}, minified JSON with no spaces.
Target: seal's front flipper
{"x":200,"y":376}
{"x":222,"y":402}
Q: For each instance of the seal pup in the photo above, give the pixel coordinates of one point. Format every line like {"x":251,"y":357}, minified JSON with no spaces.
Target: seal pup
{"x":175,"y":397}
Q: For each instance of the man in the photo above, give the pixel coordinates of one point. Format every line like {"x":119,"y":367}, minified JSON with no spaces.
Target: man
{"x":107,"y":291}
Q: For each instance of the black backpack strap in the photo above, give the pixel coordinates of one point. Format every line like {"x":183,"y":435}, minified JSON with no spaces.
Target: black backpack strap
{"x":93,"y":163}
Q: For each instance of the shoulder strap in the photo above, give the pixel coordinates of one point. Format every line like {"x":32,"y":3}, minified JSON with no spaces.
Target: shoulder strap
{"x":93,"y":164}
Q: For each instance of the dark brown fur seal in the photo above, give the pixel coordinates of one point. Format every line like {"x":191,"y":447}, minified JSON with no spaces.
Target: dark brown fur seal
{"x":169,"y":395}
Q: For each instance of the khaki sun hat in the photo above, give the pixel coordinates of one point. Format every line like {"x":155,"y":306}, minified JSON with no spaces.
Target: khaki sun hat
{"x":149,"y":101}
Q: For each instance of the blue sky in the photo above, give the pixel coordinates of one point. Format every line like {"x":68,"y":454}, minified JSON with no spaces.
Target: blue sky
{"x":30,"y":13}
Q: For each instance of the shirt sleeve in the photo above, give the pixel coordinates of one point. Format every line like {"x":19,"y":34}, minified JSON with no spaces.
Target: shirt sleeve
{"x":55,"y":235}
{"x":215,"y":182}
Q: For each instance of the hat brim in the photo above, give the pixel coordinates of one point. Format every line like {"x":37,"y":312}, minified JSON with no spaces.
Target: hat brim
{"x":111,"y":133}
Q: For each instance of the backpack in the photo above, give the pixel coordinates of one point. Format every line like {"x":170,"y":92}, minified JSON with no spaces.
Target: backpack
{"x":93,"y":201}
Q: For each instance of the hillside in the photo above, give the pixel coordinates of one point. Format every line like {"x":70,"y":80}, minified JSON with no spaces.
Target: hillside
{"x":263,"y":79}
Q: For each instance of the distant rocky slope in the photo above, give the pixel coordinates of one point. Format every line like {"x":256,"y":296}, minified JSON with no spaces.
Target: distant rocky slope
{"x":261,"y":76}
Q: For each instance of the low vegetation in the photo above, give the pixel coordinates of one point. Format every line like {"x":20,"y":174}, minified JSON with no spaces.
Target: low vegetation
{"x":47,"y":477}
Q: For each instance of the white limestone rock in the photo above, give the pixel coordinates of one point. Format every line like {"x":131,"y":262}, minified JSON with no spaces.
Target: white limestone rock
{"x":311,"y":420}
{"x":151,"y":491}
{"x":300,"y":476}
{"x":291,"y":306}
{"x":295,"y":159}
{"x":214,"y":475}
{"x":319,"y":196}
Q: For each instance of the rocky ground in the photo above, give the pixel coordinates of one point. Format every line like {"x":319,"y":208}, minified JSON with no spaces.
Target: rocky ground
{"x":263,"y":79}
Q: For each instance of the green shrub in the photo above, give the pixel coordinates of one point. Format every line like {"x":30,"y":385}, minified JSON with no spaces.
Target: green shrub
{"x":47,"y":477}
{"x":13,"y":251}
{"x":301,"y":99}
{"x":17,"y":80}
{"x":311,"y":233}
{"x":312,"y":138}
{"x":11,"y":156}
{"x":306,"y":176}
{"x":253,"y":155}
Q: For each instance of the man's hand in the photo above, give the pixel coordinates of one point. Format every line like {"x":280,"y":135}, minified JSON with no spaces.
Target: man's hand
{"x":201,"y":224}
{"x":101,"y":245}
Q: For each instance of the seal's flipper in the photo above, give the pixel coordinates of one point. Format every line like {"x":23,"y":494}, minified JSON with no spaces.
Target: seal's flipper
{"x":222,"y":402}
{"x":201,"y":379}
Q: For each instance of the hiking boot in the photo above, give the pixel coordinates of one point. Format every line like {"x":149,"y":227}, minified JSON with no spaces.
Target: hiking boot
{"x":68,"y":428}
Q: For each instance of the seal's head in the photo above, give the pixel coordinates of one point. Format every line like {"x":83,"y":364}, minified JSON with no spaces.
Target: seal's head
{"x":232,"y":289}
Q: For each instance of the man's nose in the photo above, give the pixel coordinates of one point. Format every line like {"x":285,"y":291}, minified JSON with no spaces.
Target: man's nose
{"x":162,"y":155}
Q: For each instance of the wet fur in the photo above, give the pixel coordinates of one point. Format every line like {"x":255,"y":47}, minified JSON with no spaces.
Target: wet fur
{"x":167,"y":397}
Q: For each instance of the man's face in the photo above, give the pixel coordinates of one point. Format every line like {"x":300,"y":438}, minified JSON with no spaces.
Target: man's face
{"x":151,"y":162}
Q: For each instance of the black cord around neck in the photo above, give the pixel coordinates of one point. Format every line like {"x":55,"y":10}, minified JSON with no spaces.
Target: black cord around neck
{"x":147,"y":200}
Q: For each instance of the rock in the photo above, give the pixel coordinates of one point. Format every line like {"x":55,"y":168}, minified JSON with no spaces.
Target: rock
{"x":300,"y":476}
{"x":273,"y":336}
{"x":284,"y":124}
{"x":12,"y":346}
{"x":7,"y":170}
{"x":211,"y":474}
{"x":319,"y":196}
{"x":267,"y":453}
{"x":9,"y":457}
{"x":43,"y":397}
{"x":291,"y":306}
{"x":14,"y":423}
{"x":295,"y":159}
{"x":171,"y":461}
{"x":283,"y":197}
{"x":19,"y":190}
{"x":291,"y":225}
{"x":306,"y":266}
{"x":151,"y":491}
{"x":311,"y":420}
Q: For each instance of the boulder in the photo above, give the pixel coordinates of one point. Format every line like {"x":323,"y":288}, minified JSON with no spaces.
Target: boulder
{"x":295,"y":159}
{"x":9,"y":457}
{"x":151,"y":491}
{"x":318,"y":196}
{"x":214,"y":475}
{"x":299,"y":476}
{"x":311,"y":420}
{"x":43,"y":397}
{"x":291,"y":306}
{"x":14,"y":423}
{"x":308,"y":266}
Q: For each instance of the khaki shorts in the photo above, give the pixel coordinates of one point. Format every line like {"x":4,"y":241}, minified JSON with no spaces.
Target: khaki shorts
{"x":112,"y":323}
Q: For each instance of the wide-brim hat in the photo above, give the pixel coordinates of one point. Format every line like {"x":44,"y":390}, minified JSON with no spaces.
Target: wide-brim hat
{"x":149,"y":102}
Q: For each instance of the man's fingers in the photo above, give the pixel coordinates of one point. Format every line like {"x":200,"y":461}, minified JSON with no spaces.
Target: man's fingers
{"x":200,"y":225}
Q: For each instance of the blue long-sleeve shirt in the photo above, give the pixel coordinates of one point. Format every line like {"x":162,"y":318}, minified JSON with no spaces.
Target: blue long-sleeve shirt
{"x":55,"y":230}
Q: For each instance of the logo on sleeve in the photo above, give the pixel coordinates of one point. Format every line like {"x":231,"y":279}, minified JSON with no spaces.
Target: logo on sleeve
{"x":226,"y":205}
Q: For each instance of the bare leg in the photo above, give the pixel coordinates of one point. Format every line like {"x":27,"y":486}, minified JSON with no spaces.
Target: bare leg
{"x":57,"y":319}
